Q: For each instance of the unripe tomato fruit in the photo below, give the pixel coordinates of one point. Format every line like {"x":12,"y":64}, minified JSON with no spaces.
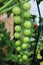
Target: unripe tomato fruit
{"x":20,"y":60}
{"x":17,"y":28}
{"x":18,"y":49}
{"x":16,"y":11}
{"x":24,"y":46}
{"x":17,"y":19}
{"x":26,"y":39}
{"x":17,"y":43}
{"x":26,"y":6}
{"x":19,"y":56}
{"x":39,"y":56}
{"x":25,"y":57}
{"x":17,"y":35}
{"x":1,"y":35}
{"x":41,"y":63}
{"x":26,"y":15}
{"x":27,"y":32}
{"x":27,"y":24}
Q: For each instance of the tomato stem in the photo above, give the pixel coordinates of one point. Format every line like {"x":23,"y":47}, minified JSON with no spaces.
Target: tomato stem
{"x":6,"y":5}
{"x":7,"y":9}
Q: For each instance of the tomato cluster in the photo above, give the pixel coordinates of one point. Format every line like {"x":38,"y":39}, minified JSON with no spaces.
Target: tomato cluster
{"x":22,"y":29}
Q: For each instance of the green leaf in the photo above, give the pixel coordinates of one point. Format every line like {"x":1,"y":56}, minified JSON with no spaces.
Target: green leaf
{"x":4,"y":64}
{"x":11,"y":57}
{"x":2,"y":25}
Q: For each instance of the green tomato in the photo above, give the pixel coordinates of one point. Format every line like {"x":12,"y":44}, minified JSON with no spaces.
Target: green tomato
{"x":18,"y":49}
{"x":20,"y":60}
{"x":26,"y":6}
{"x":26,"y":15}
{"x":26,"y":39}
{"x":27,"y":24}
{"x":1,"y":35}
{"x":27,"y":32}
{"x":17,"y":19}
{"x":17,"y":35}
{"x":24,"y":46}
{"x":41,"y":63}
{"x":18,"y":43}
{"x":17,"y":28}
{"x":39,"y":56}
{"x":19,"y":56}
{"x":25,"y":57}
{"x":16,"y":11}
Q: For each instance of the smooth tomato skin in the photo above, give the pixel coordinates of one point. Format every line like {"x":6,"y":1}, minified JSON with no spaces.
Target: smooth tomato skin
{"x":16,"y":11}
{"x":24,"y":46}
{"x":20,"y":60}
{"x":18,"y":43}
{"x":26,"y":6}
{"x":39,"y":56}
{"x":18,"y":49}
{"x":17,"y":28}
{"x":1,"y":35}
{"x":41,"y":63}
{"x":25,"y":57}
{"x":19,"y":56}
{"x":27,"y":24}
{"x":26,"y":39}
{"x":17,"y":35}
{"x":27,"y":32}
{"x":17,"y":19}
{"x":26,"y":15}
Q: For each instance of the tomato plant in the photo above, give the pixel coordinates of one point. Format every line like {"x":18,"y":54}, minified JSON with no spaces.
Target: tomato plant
{"x":21,"y":50}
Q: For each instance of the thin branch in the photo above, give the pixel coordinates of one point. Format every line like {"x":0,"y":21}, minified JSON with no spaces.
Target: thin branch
{"x":38,"y":11}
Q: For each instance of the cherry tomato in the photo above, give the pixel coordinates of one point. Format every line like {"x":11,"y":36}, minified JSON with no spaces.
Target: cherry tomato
{"x":25,"y":57}
{"x":18,"y":43}
{"x":27,"y":24}
{"x":35,"y":26}
{"x":18,"y":49}
{"x":27,"y":6}
{"x":17,"y":28}
{"x":26,"y":39}
{"x":27,"y":32}
{"x":17,"y":35}
{"x":24,"y":46}
{"x":16,"y":11}
{"x":26,"y":15}
{"x":17,"y":19}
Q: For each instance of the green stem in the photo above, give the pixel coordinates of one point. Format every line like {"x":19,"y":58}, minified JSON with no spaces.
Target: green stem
{"x":6,"y":5}
{"x":7,"y":9}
